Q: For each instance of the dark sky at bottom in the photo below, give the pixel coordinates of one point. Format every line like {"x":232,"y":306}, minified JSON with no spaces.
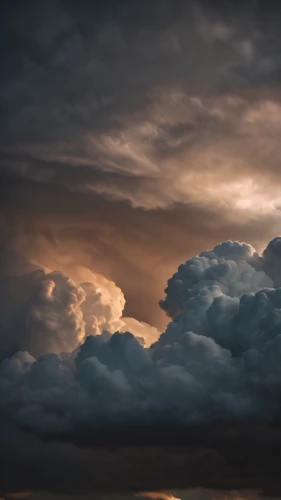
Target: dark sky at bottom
{"x":228,"y":457}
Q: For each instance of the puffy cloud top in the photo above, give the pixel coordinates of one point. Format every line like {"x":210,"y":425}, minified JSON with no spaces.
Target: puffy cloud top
{"x":236,"y":268}
{"x":219,"y":358}
{"x":41,"y":313}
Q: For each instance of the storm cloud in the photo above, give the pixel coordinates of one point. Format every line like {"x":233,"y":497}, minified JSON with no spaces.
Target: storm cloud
{"x":217,"y":360}
{"x":172,"y":102}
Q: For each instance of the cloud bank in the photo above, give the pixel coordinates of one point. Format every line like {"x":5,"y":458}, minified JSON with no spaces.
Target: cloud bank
{"x":75,"y":375}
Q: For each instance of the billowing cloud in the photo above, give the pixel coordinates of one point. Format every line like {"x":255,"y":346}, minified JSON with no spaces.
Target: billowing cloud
{"x":46,"y":311}
{"x":103,"y":306}
{"x":40,"y":312}
{"x":141,"y":330}
{"x":53,"y":321}
{"x":218,"y":358}
{"x":235,"y":268}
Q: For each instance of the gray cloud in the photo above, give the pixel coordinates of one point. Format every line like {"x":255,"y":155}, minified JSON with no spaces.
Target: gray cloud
{"x":154,"y":105}
{"x":218,"y":359}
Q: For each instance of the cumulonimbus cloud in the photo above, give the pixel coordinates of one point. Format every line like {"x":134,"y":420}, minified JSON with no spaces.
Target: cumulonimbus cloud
{"x":219,"y":357}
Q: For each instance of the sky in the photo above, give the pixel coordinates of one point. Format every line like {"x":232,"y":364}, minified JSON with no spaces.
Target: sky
{"x":140,"y":262}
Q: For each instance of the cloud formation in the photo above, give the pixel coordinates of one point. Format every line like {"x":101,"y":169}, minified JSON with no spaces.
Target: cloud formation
{"x":218,"y":358}
{"x":122,"y":106}
{"x":170,"y":112}
{"x":46,"y":311}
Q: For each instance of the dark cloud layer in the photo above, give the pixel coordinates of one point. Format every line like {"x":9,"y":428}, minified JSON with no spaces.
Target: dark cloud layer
{"x":220,"y":458}
{"x":144,"y":102}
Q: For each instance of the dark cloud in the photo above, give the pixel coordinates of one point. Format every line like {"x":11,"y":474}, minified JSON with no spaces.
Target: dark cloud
{"x":125,"y":405}
{"x":140,"y":102}
{"x":218,"y":359}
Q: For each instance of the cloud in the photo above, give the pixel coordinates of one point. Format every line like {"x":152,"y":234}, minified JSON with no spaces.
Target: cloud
{"x":103,"y":306}
{"x":45,"y":311}
{"x":217,"y":360}
{"x":135,"y":114}
{"x":52,"y":315}
{"x":141,"y":330}
{"x":236,"y":268}
{"x":40,"y":312}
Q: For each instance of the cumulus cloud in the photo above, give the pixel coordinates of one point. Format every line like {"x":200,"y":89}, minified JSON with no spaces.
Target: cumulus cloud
{"x":235,"y":267}
{"x":40,"y":312}
{"x":145,"y":333}
{"x":52,"y":316}
{"x":47,"y":311}
{"x":218,"y":358}
{"x":103,"y":306}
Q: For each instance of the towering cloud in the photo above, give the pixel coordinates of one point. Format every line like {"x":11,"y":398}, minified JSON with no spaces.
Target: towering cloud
{"x":46,"y":311}
{"x":219,"y":357}
{"x":236,"y":268}
{"x":52,"y":318}
{"x":40,"y":312}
